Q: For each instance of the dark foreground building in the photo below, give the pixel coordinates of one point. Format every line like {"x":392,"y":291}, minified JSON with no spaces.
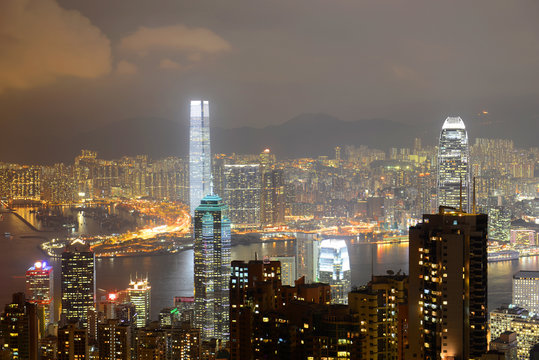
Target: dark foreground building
{"x":448,"y":286}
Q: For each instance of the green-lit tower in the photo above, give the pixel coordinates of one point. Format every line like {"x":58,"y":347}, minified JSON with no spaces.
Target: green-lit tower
{"x":212,"y":268}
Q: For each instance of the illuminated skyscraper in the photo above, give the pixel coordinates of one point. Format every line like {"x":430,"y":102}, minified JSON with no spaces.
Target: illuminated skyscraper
{"x":454,"y":165}
{"x":242,"y":194}
{"x":78,"y":282}
{"x":39,"y":290}
{"x":334,"y":269}
{"x":448,"y":286}
{"x":199,"y":153}
{"x":139,"y":292}
{"x":212,"y":268}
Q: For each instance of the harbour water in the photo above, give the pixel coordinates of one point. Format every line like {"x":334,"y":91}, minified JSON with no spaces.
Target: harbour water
{"x":172,"y":275}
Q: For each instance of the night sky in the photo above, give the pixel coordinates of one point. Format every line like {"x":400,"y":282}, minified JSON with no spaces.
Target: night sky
{"x":74,"y":65}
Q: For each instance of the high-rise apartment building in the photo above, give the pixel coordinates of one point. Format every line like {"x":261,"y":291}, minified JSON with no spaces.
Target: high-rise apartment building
{"x":382,"y":310}
{"x":199,"y":153}
{"x":526,"y":290}
{"x":273,"y":201}
{"x":288,"y":269}
{"x":139,"y":293}
{"x":448,"y":286}
{"x":454,"y":165}
{"x":19,"y":329}
{"x":73,"y":343}
{"x":114,"y":340}
{"x":78,"y":282}
{"x":242,"y":194}
{"x":334,"y":269}
{"x":39,"y":290}
{"x":212,"y":268}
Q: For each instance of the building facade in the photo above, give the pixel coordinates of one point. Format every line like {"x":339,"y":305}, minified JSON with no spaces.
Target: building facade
{"x":242,"y":194}
{"x":39,"y":290}
{"x":199,"y":153}
{"x":453,"y":182}
{"x":448,"y":286}
{"x":334,"y":269}
{"x":526,"y":290}
{"x":78,"y":282}
{"x":212,"y":268}
{"x":139,"y":293}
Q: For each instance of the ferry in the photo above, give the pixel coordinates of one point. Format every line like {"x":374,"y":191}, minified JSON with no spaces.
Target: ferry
{"x":503,"y":255}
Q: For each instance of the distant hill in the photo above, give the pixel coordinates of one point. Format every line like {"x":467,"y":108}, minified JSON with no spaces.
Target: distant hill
{"x":304,"y":135}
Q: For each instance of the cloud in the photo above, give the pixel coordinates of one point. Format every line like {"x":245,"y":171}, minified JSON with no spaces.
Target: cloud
{"x":42,"y":42}
{"x":191,"y":42}
{"x":126,"y":68}
{"x":170,"y":64}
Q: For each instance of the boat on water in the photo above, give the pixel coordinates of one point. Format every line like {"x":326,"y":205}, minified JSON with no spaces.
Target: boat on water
{"x":503,"y":255}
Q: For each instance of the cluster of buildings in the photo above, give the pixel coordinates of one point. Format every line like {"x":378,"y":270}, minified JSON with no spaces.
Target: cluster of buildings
{"x":304,"y":309}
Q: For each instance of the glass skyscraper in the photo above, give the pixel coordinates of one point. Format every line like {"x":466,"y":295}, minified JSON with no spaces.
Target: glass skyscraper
{"x":199,"y":153}
{"x":78,"y":282}
{"x":212,"y":268}
{"x":454,"y":165}
{"x":334,"y":269}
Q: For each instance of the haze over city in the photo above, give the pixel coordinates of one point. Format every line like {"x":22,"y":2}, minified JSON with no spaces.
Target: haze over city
{"x":82,"y":66}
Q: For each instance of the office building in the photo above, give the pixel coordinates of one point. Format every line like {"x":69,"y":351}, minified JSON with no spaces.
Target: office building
{"x":307,"y":254}
{"x":73,"y":343}
{"x":448,"y":286}
{"x":199,"y":153}
{"x":114,"y":340}
{"x":139,"y":293}
{"x":212,"y":268}
{"x":454,"y":165}
{"x":526,"y":290}
{"x":78,"y":282}
{"x":501,"y":318}
{"x":382,"y":311}
{"x":19,"y":329}
{"x":334,"y":269}
{"x":242,"y":194}
{"x":39,"y":291}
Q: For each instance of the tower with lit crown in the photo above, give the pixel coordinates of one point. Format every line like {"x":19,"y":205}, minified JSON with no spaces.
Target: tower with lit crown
{"x":212,"y":268}
{"x":453,"y":182}
{"x":39,"y":290}
{"x":199,"y":153}
{"x":139,"y":292}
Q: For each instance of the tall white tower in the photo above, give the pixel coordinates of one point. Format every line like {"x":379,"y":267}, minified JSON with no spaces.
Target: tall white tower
{"x":199,"y":153}
{"x":453,"y":180}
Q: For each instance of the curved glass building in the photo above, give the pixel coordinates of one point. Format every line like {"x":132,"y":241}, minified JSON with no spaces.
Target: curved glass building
{"x":334,"y":269}
{"x":453,"y":165}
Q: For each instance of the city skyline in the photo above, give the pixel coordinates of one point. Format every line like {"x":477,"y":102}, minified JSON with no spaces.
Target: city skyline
{"x":364,"y":186}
